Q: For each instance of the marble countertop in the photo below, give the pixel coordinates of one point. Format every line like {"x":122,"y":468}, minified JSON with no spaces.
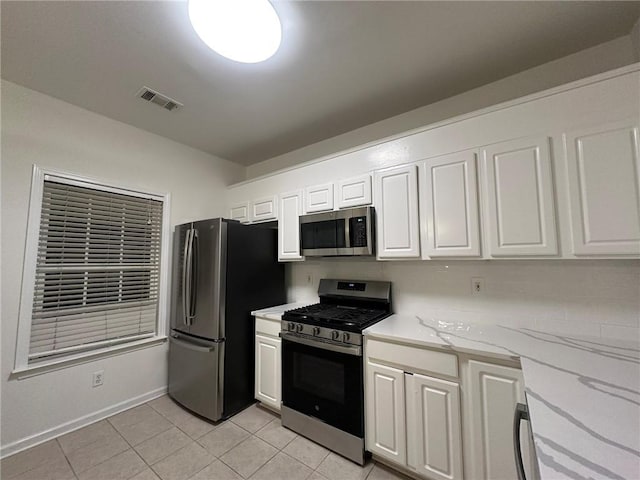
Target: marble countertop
{"x":583,"y":393}
{"x":275,"y":312}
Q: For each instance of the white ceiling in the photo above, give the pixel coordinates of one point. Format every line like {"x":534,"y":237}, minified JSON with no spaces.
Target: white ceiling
{"x":342,"y":64}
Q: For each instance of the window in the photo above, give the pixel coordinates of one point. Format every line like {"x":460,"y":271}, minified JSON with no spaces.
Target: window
{"x":94,"y":268}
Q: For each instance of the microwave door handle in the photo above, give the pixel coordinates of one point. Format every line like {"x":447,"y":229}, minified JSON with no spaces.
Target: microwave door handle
{"x":185,"y":277}
{"x":347,"y":233}
{"x":193,"y":284}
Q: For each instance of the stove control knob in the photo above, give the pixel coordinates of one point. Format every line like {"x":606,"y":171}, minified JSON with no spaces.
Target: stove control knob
{"x":299,"y":328}
{"x":335,"y":335}
{"x":345,"y":337}
{"x":316,"y":331}
{"x":291,"y":326}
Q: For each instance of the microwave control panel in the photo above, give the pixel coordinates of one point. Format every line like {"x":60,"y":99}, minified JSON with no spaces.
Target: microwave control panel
{"x":358,"y":231}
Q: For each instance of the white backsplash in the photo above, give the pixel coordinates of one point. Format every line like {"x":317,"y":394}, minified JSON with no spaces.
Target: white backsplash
{"x":585,"y":297}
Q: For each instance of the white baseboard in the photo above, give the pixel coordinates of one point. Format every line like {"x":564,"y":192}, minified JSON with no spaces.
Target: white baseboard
{"x":67,"y":427}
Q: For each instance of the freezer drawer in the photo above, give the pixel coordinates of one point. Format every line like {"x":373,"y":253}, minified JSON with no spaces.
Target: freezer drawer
{"x":194,"y":375}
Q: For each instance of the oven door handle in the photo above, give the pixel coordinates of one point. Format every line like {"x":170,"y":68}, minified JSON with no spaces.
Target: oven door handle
{"x":349,"y":350}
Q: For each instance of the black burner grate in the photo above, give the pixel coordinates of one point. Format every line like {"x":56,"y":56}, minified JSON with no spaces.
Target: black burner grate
{"x":334,"y":314}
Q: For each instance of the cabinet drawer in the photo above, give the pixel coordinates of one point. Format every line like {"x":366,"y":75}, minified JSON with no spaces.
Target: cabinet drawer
{"x":266,"y":326}
{"x":420,"y":359}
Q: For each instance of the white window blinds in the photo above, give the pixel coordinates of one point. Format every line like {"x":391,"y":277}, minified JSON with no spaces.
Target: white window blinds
{"x":97,"y":271}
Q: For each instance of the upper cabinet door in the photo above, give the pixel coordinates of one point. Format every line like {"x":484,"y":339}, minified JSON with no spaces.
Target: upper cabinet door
{"x":354,"y":192}
{"x":518,"y":185}
{"x":240,"y":212}
{"x":289,"y":226}
{"x":264,"y":209}
{"x":449,"y":206}
{"x":604,"y":189}
{"x":319,"y":198}
{"x":396,"y":200}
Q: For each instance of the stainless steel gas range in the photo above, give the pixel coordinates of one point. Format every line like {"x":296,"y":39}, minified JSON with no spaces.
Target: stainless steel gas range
{"x":322,"y":363}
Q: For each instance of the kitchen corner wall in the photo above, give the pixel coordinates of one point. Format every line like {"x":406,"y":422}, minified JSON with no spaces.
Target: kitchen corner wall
{"x":595,"y":298}
{"x":39,"y":129}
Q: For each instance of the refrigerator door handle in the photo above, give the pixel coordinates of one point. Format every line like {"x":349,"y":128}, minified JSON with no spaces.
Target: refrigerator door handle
{"x":192,"y":346}
{"x":193,"y":283}
{"x":185,"y":277}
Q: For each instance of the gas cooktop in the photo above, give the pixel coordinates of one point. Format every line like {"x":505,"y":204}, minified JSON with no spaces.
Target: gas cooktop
{"x":345,"y":305}
{"x":336,"y":316}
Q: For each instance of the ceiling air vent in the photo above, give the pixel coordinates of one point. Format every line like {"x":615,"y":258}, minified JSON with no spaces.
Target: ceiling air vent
{"x":152,"y":96}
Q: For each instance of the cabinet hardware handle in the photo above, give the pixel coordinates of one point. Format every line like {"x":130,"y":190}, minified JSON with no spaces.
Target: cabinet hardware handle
{"x":521,"y":413}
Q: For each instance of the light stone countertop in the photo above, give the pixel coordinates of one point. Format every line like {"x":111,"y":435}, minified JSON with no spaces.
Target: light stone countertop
{"x":275,"y":312}
{"x":583,"y":393}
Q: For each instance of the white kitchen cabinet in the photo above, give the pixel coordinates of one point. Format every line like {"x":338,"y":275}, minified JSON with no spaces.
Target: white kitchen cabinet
{"x":604,"y":189}
{"x":434,"y":439}
{"x":449,"y":206}
{"x":450,"y":418}
{"x":319,"y":198}
{"x":413,"y":420}
{"x":519,"y":203}
{"x":264,"y":209}
{"x":385,"y":412}
{"x":354,"y":192}
{"x":240,"y":212}
{"x":397,"y":223}
{"x":289,"y":226}
{"x":491,"y":396}
{"x":268,"y":363}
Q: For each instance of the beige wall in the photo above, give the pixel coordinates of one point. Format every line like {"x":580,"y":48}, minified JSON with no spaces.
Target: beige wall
{"x":635,"y":40}
{"x":40,"y":129}
{"x":598,"y":59}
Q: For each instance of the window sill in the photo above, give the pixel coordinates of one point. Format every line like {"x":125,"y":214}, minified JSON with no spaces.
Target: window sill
{"x":59,"y":364}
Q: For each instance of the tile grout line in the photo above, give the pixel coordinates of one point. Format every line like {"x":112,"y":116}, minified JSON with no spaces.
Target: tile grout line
{"x":130,"y":446}
{"x":66,"y":459}
{"x":76,"y":473}
{"x":192,"y":440}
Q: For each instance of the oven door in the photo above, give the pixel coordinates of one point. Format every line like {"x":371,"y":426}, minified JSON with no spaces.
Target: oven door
{"x":324,"y":383}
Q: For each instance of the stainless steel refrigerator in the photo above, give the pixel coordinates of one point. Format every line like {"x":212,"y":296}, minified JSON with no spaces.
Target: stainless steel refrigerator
{"x":222,"y":270}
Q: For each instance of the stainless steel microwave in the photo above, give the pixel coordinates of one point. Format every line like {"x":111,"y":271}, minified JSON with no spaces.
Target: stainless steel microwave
{"x":343,"y":232}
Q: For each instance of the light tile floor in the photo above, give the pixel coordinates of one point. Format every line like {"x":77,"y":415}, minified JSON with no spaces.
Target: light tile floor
{"x":161,"y":440}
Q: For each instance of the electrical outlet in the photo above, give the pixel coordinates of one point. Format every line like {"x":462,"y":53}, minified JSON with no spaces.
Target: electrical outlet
{"x":98,"y":378}
{"x":477,"y":285}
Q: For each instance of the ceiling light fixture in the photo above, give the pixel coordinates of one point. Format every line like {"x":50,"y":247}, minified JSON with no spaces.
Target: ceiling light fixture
{"x":246,"y":31}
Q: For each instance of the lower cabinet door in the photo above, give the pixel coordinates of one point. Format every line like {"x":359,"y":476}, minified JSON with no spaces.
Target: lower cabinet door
{"x":434,"y":437}
{"x":385,"y":412}
{"x":494,"y":391}
{"x":268,"y":388}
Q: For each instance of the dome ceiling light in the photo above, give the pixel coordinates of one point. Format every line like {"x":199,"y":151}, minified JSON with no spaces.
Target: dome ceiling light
{"x":246,"y":31}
